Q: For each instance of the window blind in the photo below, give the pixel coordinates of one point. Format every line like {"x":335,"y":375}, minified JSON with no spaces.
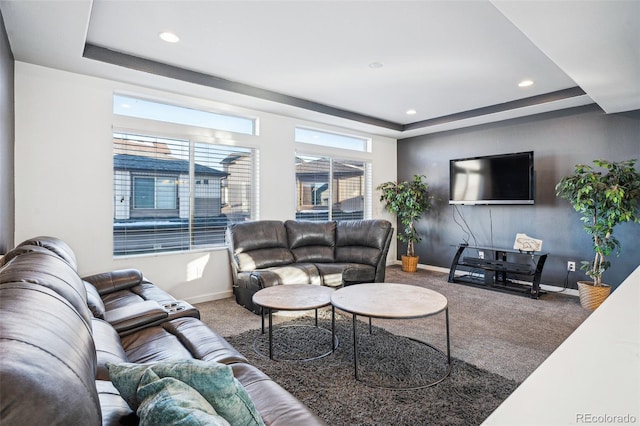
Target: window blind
{"x":176,"y":194}
{"x":330,"y":189}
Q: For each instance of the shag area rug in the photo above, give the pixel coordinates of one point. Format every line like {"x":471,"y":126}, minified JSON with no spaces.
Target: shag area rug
{"x":328,"y":387}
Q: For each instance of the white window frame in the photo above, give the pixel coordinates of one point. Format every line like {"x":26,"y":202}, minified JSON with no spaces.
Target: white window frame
{"x":330,"y":138}
{"x":340,"y":154}
{"x":159,"y":129}
{"x":136,"y":176}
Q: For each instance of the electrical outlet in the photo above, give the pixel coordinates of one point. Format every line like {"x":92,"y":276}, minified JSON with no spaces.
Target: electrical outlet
{"x":571,"y":266}
{"x":481,"y":254}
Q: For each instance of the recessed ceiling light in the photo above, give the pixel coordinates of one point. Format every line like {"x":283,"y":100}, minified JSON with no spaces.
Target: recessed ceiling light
{"x":525,"y":83}
{"x":411,"y":112}
{"x":376,"y":65}
{"x":169,"y":37}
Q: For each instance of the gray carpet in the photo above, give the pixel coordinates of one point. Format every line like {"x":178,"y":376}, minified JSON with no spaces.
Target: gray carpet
{"x":506,"y":334}
{"x":327,"y":385}
{"x":497,"y":340}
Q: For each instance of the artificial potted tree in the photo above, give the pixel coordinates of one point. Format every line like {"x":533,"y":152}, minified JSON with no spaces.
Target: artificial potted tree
{"x":408,"y":200}
{"x":604,"y":198}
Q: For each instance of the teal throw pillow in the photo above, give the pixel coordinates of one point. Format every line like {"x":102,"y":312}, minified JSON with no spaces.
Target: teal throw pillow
{"x":214,"y":381}
{"x":168,"y":401}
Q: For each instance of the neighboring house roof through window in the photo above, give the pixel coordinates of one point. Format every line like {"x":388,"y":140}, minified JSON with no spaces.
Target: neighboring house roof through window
{"x":140,"y":163}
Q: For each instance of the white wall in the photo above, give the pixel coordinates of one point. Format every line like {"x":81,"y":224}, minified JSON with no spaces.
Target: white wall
{"x":64,"y":176}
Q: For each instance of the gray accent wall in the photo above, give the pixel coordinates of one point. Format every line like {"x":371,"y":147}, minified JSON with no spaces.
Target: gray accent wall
{"x":559,"y":140}
{"x":7,"y":132}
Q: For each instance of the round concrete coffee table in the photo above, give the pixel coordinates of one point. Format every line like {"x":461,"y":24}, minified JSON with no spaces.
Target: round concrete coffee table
{"x":295,"y":297}
{"x":392,"y":301}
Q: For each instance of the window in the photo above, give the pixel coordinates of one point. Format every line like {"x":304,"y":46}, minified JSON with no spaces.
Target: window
{"x":154,"y":192}
{"x":140,"y":108}
{"x":177,"y":194}
{"x":331,"y":189}
{"x":332,"y":140}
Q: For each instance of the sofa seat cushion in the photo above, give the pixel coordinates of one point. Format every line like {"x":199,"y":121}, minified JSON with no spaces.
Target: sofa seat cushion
{"x":178,"y":339}
{"x":119,"y":299}
{"x":132,"y":317}
{"x":153,"y":344}
{"x":275,"y":404}
{"x":297,"y":273}
{"x":214,"y":381}
{"x":331,"y":273}
{"x":337,"y":274}
{"x":202,"y":342}
{"x":149,"y":291}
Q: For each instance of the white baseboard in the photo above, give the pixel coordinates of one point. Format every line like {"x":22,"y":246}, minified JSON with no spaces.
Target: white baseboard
{"x":556,"y":289}
{"x":546,"y":287}
{"x":209,"y":297}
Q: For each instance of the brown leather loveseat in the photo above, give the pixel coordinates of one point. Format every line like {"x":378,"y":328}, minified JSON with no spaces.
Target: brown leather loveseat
{"x":265,"y":253}
{"x":57,"y":350}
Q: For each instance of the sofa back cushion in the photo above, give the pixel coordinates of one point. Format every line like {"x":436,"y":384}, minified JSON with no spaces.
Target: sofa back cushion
{"x":258,"y":244}
{"x":94,"y":301}
{"x":361,"y":241}
{"x":20,"y":250}
{"x":50,"y":271}
{"x":108,"y":347}
{"x":311,"y":241}
{"x":57,"y":246}
{"x":48,"y":366}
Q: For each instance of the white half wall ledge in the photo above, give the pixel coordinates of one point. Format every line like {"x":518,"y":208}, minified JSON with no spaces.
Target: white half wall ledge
{"x":592,"y":377}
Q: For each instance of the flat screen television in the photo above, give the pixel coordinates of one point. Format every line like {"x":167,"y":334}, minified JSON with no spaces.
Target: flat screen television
{"x":492,"y":179}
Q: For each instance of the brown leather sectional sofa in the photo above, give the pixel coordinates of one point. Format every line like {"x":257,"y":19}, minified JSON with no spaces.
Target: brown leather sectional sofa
{"x":59,"y":331}
{"x":265,"y":253}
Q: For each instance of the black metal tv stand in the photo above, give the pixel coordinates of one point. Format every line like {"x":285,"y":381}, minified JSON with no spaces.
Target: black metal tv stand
{"x":499,"y":266}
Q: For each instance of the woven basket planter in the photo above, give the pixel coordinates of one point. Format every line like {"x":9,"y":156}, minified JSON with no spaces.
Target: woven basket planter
{"x":409,"y":263}
{"x":592,"y":296}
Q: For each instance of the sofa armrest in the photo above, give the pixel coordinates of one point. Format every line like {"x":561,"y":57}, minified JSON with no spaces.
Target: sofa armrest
{"x":264,"y":279}
{"x":108,"y":282}
{"x":135,"y":315}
